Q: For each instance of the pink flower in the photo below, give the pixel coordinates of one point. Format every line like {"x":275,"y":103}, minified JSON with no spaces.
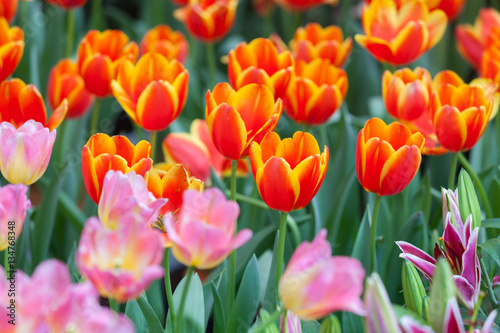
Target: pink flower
{"x":453,"y":322}
{"x":13,"y":206}
{"x":203,"y":235}
{"x":49,"y":302}
{"x":25,"y":152}
{"x":122,"y":262}
{"x":125,"y":194}
{"x":315,"y":283}
{"x":292,"y":323}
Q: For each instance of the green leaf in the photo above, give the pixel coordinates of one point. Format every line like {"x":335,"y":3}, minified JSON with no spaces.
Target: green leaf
{"x":352,"y":323}
{"x":310,"y":326}
{"x":361,"y":248}
{"x":492,"y":246}
{"x":247,"y":300}
{"x":218,"y":311}
{"x":441,"y":291}
{"x":330,"y":325}
{"x":468,"y":199}
{"x":149,"y":314}
{"x":491,"y":223}
{"x":245,"y":252}
{"x":133,"y":311}
{"x":271,"y":293}
{"x":193,"y":319}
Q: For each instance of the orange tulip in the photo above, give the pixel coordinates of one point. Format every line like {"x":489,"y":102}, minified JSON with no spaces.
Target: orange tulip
{"x":450,"y":7}
{"x":302,"y":5}
{"x":263,"y":7}
{"x":66,"y":83}
{"x":471,"y":40}
{"x":400,"y":35}
{"x":196,"y":151}
{"x":260,"y":62}
{"x":387,"y":156}
{"x":288,"y":172}
{"x":407,"y":93}
{"x":316,"y":92}
{"x":67,"y":4}
{"x":103,"y":153}
{"x":11,"y":48}
{"x":20,"y":102}
{"x":236,"y":118}
{"x":100,"y":54}
{"x":208,"y":20}
{"x":8,"y":9}
{"x":313,"y":42}
{"x":153,"y":92}
{"x":162,"y":39}
{"x":490,"y":61}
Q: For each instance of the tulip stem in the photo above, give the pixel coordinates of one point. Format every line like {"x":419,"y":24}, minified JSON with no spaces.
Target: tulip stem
{"x":114,"y":305}
{"x":152,"y":141}
{"x":6,"y":261}
{"x":212,"y":64}
{"x":94,"y":119}
{"x":234,"y":165}
{"x":71,"y":32}
{"x":281,"y":251}
{"x":272,"y":318}
{"x":168,"y":287}
{"x":489,"y":287}
{"x":468,"y":167}
{"x":232,"y":258}
{"x":183,"y":299}
{"x":453,"y":171}
{"x":373,"y":234}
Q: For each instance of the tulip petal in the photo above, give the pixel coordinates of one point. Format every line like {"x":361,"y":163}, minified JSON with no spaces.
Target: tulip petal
{"x":451,"y":128}
{"x":157,"y":106}
{"x":228,"y":131}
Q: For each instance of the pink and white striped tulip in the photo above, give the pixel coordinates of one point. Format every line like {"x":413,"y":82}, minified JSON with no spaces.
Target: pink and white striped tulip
{"x":453,"y":322}
{"x":13,"y":206}
{"x":25,"y":152}
{"x":127,"y":194}
{"x":122,"y":262}
{"x":315,"y":283}
{"x":292,"y":323}
{"x":203,"y":235}
{"x":49,"y":302}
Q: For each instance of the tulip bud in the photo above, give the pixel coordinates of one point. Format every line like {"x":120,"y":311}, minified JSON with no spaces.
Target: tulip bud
{"x":413,"y":289}
{"x":380,"y":315}
{"x":425,"y":308}
{"x":330,"y":325}
{"x":441,"y":291}
{"x":468,"y":200}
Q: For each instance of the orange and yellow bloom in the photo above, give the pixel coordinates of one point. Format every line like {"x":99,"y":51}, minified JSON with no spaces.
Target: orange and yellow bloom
{"x":208,"y":20}
{"x":288,"y":172}
{"x":8,"y":9}
{"x":400,"y":35}
{"x":99,"y":56}
{"x":313,"y":41}
{"x":387,"y":156}
{"x":170,"y":43}
{"x":11,"y":48}
{"x":103,"y":153}
{"x":66,"y":83}
{"x":153,"y":92}
{"x":236,"y":118}
{"x":316,"y":92}
{"x":260,"y":62}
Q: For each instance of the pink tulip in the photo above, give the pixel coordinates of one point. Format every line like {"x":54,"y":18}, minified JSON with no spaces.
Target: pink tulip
{"x":292,"y":323}
{"x":125,"y":194}
{"x":203,"y":235}
{"x":13,"y":206}
{"x":25,"y":152}
{"x":49,"y":302}
{"x":122,"y":262}
{"x":315,"y":283}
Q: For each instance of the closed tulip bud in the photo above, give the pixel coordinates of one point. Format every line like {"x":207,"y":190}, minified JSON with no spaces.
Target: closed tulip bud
{"x":380,"y":316}
{"x":330,"y":325}
{"x":400,"y":34}
{"x":467,"y":197}
{"x":25,"y":152}
{"x":103,"y":153}
{"x":99,"y":56}
{"x":13,"y":206}
{"x":313,"y":41}
{"x":441,"y":292}
{"x":413,"y":289}
{"x":67,"y":4}
{"x":66,"y":83}
{"x":169,"y":43}
{"x":8,"y":9}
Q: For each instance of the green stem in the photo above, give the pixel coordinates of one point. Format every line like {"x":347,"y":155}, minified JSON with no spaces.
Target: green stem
{"x":268,"y":23}
{"x":152,"y":140}
{"x":114,"y":305}
{"x":71,"y":32}
{"x":183,"y":299}
{"x":297,"y":19}
{"x":96,"y":15}
{"x":234,"y":165}
{"x":307,"y":127}
{"x":294,"y":228}
{"x":373,"y":234}
{"x":275,"y":316}
{"x":489,"y":287}
{"x":281,"y":251}
{"x":232,"y":258}
{"x":168,"y":287}
{"x":60,"y":141}
{"x":453,"y":171}
{"x":94,"y":119}
{"x":497,"y":134}
{"x":6,"y":261}
{"x":252,"y":201}
{"x":212,"y":64}
{"x":468,"y":167}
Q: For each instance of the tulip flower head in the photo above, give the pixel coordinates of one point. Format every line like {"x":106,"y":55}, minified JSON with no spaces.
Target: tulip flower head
{"x":302,"y":5}
{"x":288,"y":172}
{"x":315,"y":283}
{"x":8,"y":9}
{"x":67,"y":4}
{"x":208,"y":20}
{"x":122,"y":262}
{"x":399,"y":35}
{"x":99,"y":56}
{"x":169,"y":43}
{"x":260,"y":62}
{"x":313,"y":41}
{"x":25,"y":152}
{"x":66,"y":83}
{"x":153,"y":92}
{"x":204,"y":233}
{"x":103,"y":153}
{"x":13,"y":206}
{"x":236,"y":118}
{"x":316,"y":92}
{"x":11,"y":46}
